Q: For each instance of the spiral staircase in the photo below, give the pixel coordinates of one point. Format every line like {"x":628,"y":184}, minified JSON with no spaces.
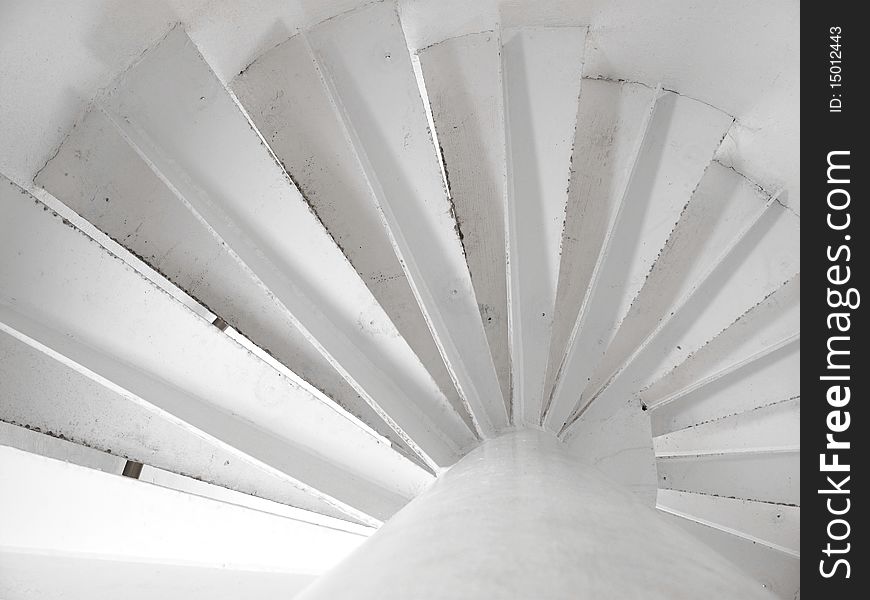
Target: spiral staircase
{"x":299,"y":297}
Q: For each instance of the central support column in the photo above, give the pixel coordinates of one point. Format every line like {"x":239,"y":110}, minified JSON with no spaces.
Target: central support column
{"x":521,"y":517}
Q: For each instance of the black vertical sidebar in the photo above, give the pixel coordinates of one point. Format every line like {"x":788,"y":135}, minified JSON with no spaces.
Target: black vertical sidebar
{"x":834,"y":360}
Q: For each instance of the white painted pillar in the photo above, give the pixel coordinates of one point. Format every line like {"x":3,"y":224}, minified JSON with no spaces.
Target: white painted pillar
{"x":521,"y":517}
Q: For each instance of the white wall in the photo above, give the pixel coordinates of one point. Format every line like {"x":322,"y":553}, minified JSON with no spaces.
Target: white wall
{"x":741,"y":56}
{"x":113,"y":537}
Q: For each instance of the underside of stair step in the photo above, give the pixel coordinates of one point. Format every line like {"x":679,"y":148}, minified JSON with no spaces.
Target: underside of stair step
{"x":45,"y":395}
{"x":100,"y":317}
{"x":463,"y":82}
{"x":542,"y":70}
{"x":680,"y":139}
{"x":611,"y":120}
{"x":276,"y":237}
{"x":285,"y":96}
{"x":365,"y":61}
{"x":314,"y":288}
{"x":103,"y":179}
{"x":776,"y":570}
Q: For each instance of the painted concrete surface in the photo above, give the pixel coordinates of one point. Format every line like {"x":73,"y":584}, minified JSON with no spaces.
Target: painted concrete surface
{"x":286,"y":99}
{"x":680,"y":140}
{"x":64,"y":293}
{"x":45,"y":398}
{"x":364,"y":58}
{"x":542,"y":69}
{"x":520,"y":517}
{"x":176,"y":113}
{"x":56,"y":57}
{"x":774,"y":525}
{"x":611,"y":118}
{"x":464,"y":87}
{"x":777,"y":571}
{"x":679,"y":329}
{"x":101,"y":177}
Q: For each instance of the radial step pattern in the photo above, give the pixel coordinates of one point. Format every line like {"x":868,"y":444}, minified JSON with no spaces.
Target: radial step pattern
{"x":325,"y":281}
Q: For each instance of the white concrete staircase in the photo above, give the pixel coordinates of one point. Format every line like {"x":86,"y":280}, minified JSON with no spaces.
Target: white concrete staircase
{"x":322,"y":285}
